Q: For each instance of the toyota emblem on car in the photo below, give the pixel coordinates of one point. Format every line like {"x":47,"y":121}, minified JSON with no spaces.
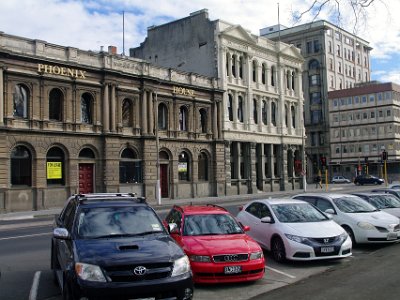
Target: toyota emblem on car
{"x":140,"y":270}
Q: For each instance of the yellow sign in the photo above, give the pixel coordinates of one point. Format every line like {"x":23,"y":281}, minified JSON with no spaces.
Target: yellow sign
{"x":54,"y":170}
{"x":57,"y":70}
{"x":183,"y":91}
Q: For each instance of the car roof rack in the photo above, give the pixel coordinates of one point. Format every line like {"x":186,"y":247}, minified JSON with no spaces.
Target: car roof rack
{"x":109,"y":196}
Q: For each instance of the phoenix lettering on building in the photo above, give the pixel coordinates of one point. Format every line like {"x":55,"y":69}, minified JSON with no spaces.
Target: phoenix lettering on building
{"x":63,"y":71}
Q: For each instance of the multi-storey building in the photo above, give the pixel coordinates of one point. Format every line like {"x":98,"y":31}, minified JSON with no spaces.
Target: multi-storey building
{"x":335,"y":59}
{"x":365,"y":122}
{"x":263,"y":100}
{"x":75,"y":121}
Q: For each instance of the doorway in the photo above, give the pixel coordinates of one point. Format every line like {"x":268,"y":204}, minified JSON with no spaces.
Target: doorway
{"x":86,"y":178}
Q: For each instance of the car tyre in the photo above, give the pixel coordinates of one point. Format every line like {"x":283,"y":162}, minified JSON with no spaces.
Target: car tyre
{"x":278,"y":249}
{"x":351,"y":234}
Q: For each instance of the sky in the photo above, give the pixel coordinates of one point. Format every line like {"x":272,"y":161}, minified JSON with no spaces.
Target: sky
{"x":91,"y":24}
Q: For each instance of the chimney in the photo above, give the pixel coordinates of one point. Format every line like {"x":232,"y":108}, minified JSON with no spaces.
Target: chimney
{"x":112,"y":50}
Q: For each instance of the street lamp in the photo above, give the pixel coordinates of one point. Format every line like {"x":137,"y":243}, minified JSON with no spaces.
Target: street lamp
{"x":158,"y":186}
{"x":303,"y":158}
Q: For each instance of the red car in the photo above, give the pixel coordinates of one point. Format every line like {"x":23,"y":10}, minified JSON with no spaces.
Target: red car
{"x":216,"y":244}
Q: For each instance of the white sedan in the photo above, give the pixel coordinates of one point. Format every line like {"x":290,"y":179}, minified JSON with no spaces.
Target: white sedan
{"x":362,"y":221}
{"x":295,"y":230}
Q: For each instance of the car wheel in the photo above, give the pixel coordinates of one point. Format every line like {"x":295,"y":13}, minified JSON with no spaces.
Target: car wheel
{"x":278,"y":249}
{"x":351,"y":234}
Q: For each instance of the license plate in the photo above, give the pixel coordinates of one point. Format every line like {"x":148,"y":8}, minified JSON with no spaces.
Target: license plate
{"x":392,"y":236}
{"x":327,"y":249}
{"x":233,"y":270}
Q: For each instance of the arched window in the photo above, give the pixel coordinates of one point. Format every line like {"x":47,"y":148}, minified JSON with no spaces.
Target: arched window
{"x":293,"y":114}
{"x":240,"y":109}
{"x":21,"y":166}
{"x":127,"y":113}
{"x":263,"y":73}
{"x":183,"y":118}
{"x":203,"y":166}
{"x":254,"y":71}
{"x":313,"y":64}
{"x":203,"y":120}
{"x":20,"y":100}
{"x":293,"y":80}
{"x":183,"y":166}
{"x":273,"y":113}
{"x":264,"y":112}
{"x":228,"y":57}
{"x":288,"y":75}
{"x":162,"y":116}
{"x":273,"y":75}
{"x":230,"y":107}
{"x":86,"y":108}
{"x":255,"y":111}
{"x":286,"y":115}
{"x":130,"y":167}
{"x":86,"y":153}
{"x":55,"y":166}
{"x":234,"y":65}
{"x":241,"y":67}
{"x":55,"y":104}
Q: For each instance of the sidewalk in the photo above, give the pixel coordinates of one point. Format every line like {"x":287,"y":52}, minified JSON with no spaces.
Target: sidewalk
{"x":166,"y":204}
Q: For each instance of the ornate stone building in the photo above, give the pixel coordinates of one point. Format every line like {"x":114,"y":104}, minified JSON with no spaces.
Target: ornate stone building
{"x":75,"y":121}
{"x":263,"y":101}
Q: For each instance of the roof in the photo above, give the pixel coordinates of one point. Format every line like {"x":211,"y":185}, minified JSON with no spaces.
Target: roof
{"x":202,"y":209}
{"x":273,"y":201}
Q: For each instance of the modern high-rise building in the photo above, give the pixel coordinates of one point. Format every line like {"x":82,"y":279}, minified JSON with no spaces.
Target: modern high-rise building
{"x":365,"y":124}
{"x":335,"y":59}
{"x":263,"y":100}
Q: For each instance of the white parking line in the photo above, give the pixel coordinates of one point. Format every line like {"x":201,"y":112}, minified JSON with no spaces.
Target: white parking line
{"x":35,"y":285}
{"x":280,"y":272}
{"x":24,"y":236}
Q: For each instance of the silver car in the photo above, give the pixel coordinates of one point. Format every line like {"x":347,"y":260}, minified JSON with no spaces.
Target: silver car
{"x":340,"y":179}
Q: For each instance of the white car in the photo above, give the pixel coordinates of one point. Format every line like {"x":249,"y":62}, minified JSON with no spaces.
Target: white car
{"x":340,"y":179}
{"x":362,"y":221}
{"x":294,"y":230}
{"x":386,"y":202}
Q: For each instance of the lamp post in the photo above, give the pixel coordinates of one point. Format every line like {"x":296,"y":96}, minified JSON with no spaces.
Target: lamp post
{"x":158,"y":186}
{"x":303,"y":158}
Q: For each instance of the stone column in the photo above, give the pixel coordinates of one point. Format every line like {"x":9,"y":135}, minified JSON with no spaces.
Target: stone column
{"x":1,"y":97}
{"x":253,"y":170}
{"x":113,"y":108}
{"x":219,"y":119}
{"x":150,"y":111}
{"x":144,"y":113}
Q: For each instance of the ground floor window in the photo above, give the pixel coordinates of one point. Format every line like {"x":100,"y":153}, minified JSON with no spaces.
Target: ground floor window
{"x":21,"y":166}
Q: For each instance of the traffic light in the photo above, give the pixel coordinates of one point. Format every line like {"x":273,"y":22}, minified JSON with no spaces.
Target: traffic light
{"x":323,"y":161}
{"x":384,"y":156}
{"x":366,"y":160}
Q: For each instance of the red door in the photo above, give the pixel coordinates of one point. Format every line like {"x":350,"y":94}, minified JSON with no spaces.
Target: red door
{"x":164,"y":180}
{"x":85,"y":178}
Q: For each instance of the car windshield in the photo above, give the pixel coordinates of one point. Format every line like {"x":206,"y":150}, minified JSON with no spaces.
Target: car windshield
{"x":104,"y":222}
{"x":353,"y":205}
{"x":211,"y":224}
{"x":385,"y":201}
{"x":297,"y":213}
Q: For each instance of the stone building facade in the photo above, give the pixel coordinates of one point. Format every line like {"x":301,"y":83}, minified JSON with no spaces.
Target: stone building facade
{"x":75,"y":121}
{"x":263,"y":101}
{"x":335,"y":59}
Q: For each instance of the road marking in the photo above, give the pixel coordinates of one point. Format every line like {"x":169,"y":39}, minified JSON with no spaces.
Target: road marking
{"x":24,"y":236}
{"x":35,"y":286}
{"x":280,"y":272}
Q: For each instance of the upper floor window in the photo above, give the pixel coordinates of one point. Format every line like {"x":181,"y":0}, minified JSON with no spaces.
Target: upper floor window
{"x":162,"y":116}
{"x":55,"y":104}
{"x":86,"y":108}
{"x":313,"y":64}
{"x":254,"y":71}
{"x":241,"y":63}
{"x":273,"y":113}
{"x":264,"y":112}
{"x":183,"y":118}
{"x":240,"y":109}
{"x":234,"y":62}
{"x":273,"y":75}
{"x":21,"y":166}
{"x":127,"y":113}
{"x":263,"y":73}
{"x":20,"y":101}
{"x":293,"y":115}
{"x":317,"y":46}
{"x":203,"y":120}
{"x":314,"y":80}
{"x":230,"y":107}
{"x":255,"y":111}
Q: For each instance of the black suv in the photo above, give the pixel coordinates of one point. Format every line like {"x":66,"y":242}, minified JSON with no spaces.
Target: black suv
{"x":114,"y":246}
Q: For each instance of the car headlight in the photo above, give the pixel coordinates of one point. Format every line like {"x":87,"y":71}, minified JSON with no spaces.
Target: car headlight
{"x":366,"y":225}
{"x":296,"y":238}
{"x":200,"y":258}
{"x":181,"y":266}
{"x":343,"y":237}
{"x":89,"y":272}
{"x":256,"y":255}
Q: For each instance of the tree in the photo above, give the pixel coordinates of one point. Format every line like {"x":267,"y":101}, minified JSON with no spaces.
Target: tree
{"x":339,"y":10}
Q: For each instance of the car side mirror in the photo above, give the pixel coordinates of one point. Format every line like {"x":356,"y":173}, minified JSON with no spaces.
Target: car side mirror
{"x":61,"y":233}
{"x":173,"y":228}
{"x":330,"y":212}
{"x":266,"y":220}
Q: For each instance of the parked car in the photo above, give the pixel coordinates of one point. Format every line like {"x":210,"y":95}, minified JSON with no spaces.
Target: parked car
{"x":386,"y":202}
{"x":394,"y":185}
{"x":368,"y":179}
{"x":362,"y":221}
{"x":114,"y":246}
{"x":394,"y":192}
{"x":216,"y":244}
{"x":340,"y":179}
{"x":294,"y":230}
